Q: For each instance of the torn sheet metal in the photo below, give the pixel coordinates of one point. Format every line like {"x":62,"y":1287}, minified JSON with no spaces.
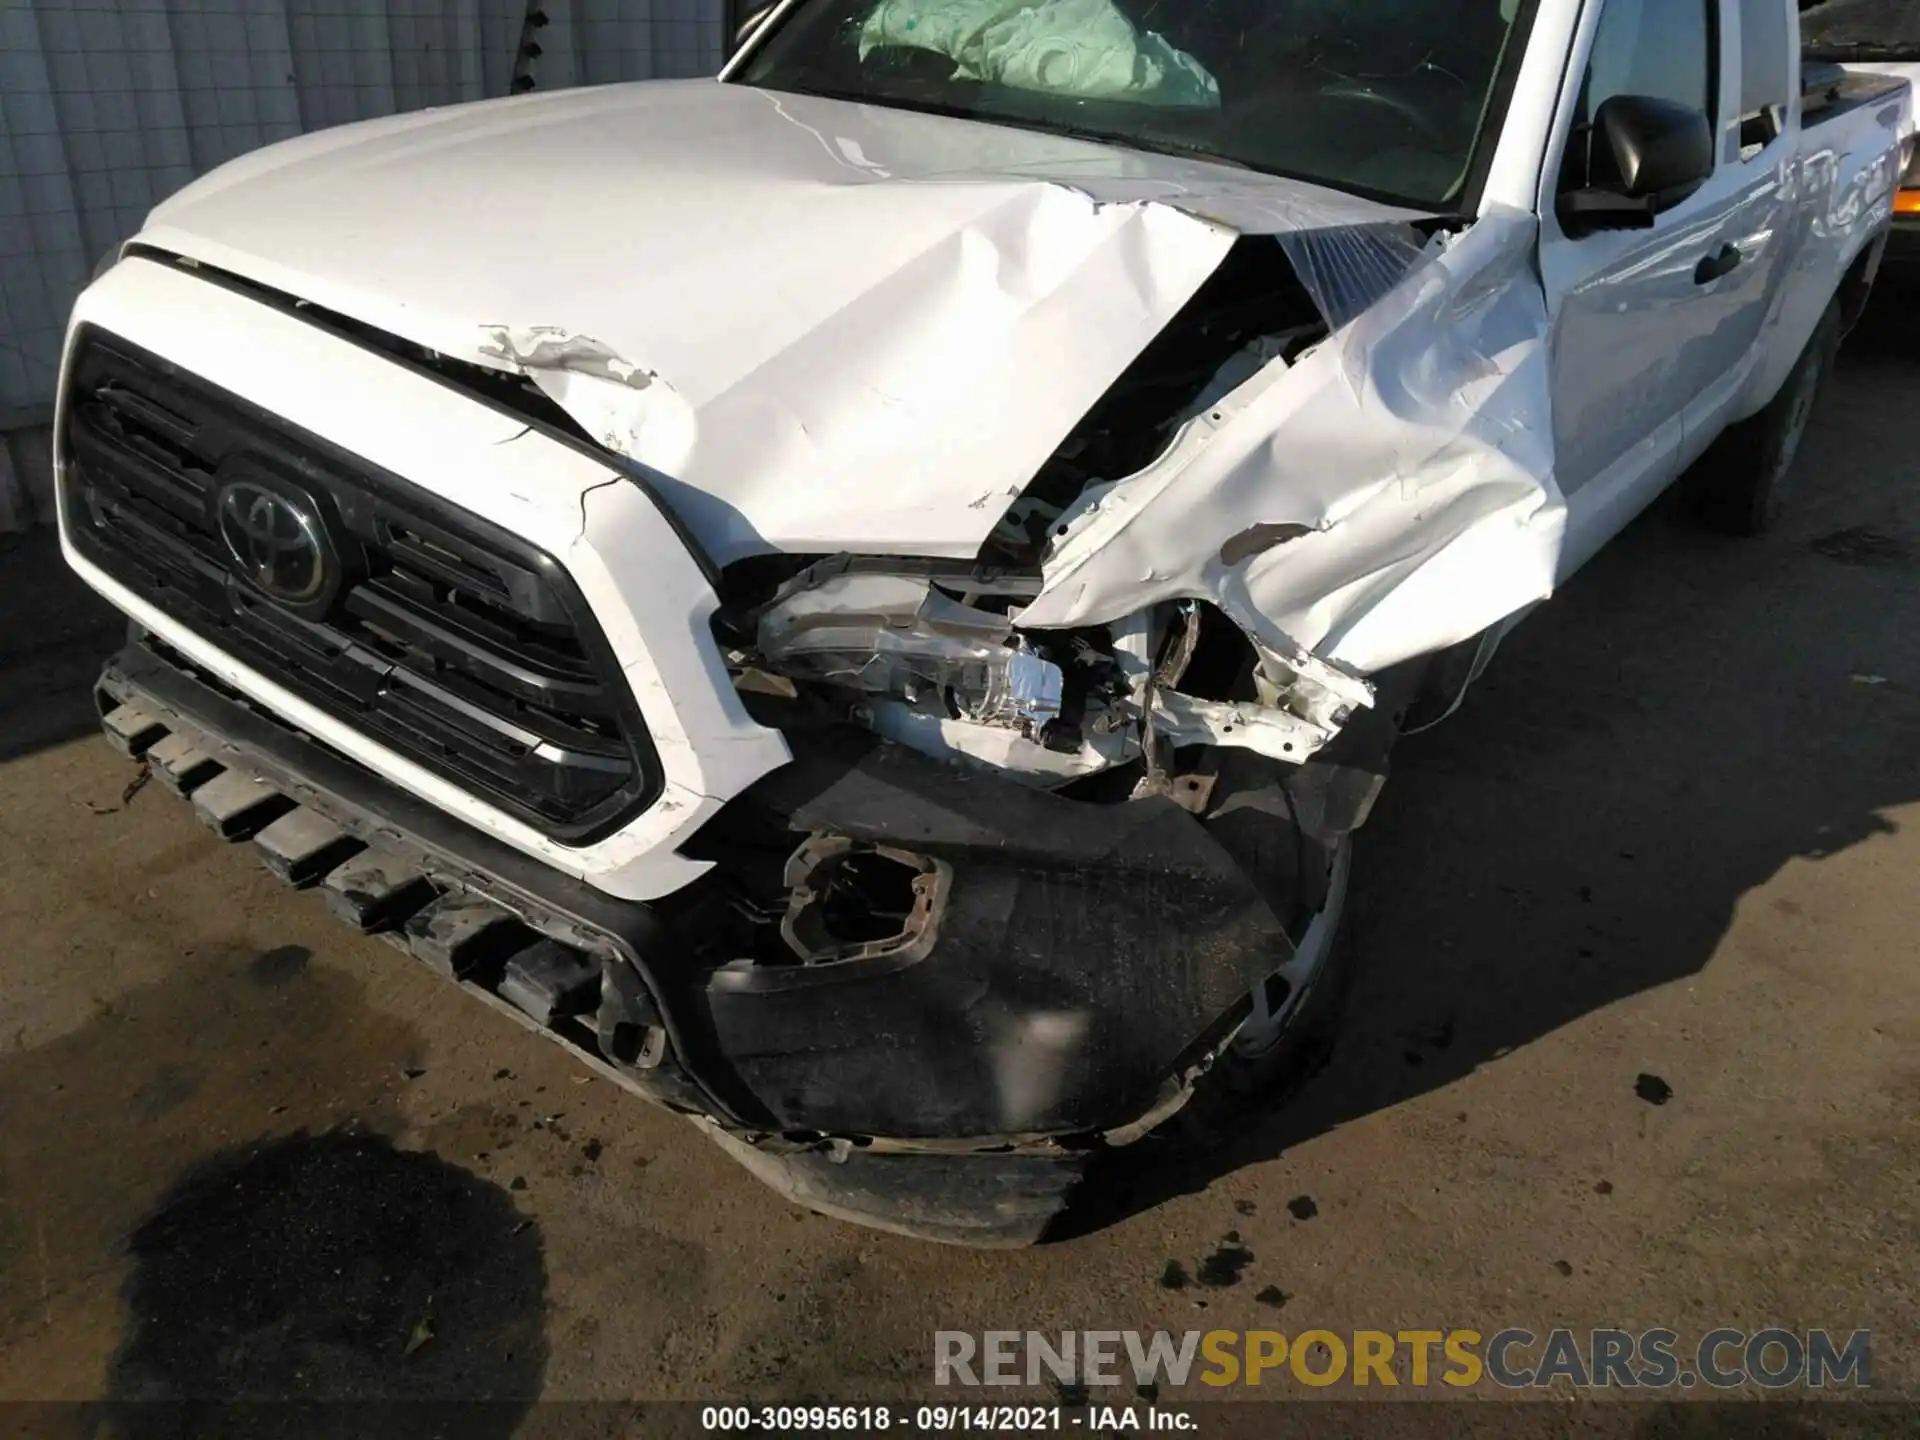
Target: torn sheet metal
{"x":1402,"y":472}
{"x":1273,"y":732}
{"x":866,"y":329}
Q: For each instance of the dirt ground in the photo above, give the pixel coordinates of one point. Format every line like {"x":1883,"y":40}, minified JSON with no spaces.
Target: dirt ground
{"x":1674,"y":834}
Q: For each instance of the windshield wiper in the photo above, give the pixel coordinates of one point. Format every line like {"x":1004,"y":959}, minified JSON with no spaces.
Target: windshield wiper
{"x":885,"y":102}
{"x":1155,"y":144}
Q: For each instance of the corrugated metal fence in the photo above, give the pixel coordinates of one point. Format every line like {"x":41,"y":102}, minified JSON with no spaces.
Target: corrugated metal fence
{"x":107,"y":106}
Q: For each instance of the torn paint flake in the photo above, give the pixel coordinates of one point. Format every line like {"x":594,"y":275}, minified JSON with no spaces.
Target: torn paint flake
{"x":1256,"y":538}
{"x":550,"y":347}
{"x":626,"y":408}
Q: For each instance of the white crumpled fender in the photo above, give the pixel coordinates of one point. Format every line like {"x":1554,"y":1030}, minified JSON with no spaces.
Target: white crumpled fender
{"x":1390,"y":494}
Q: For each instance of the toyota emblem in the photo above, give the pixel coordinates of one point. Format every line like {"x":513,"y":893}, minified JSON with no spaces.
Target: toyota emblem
{"x":276,"y":542}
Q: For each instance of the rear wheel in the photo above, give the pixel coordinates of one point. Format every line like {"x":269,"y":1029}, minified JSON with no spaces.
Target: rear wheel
{"x":1742,"y":483}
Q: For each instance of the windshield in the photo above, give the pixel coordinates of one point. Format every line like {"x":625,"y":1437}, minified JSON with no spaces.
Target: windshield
{"x":1393,"y":98}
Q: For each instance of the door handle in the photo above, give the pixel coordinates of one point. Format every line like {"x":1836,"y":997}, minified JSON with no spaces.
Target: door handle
{"x":1722,"y":263}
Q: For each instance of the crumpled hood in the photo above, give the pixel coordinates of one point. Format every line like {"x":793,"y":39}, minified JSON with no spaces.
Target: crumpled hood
{"x":821,"y":326}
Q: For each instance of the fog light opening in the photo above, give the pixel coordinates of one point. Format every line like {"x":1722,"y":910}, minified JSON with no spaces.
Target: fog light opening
{"x":849,"y":900}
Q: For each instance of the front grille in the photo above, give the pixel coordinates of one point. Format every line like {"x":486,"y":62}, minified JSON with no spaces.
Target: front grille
{"x":450,"y":641}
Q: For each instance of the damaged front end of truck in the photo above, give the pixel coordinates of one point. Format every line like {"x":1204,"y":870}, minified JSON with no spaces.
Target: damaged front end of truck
{"x":1060,"y":861}
{"x":1050,"y":741}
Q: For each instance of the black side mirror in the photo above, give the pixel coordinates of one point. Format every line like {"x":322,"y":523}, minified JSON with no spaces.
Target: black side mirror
{"x":1647,"y":156}
{"x":754,"y":19}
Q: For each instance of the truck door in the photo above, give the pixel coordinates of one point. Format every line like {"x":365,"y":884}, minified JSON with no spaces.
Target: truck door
{"x":1759,"y":221}
{"x":1654,"y":328}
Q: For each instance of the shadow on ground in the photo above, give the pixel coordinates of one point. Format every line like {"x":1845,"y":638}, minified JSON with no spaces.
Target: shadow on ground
{"x":287,"y":1270}
{"x":1690,"y":715}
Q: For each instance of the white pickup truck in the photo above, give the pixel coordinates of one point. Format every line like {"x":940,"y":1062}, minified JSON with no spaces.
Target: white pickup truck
{"x":870,"y":597}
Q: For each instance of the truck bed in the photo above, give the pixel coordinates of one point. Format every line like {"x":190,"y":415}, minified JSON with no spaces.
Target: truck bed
{"x":1830,"y":91}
